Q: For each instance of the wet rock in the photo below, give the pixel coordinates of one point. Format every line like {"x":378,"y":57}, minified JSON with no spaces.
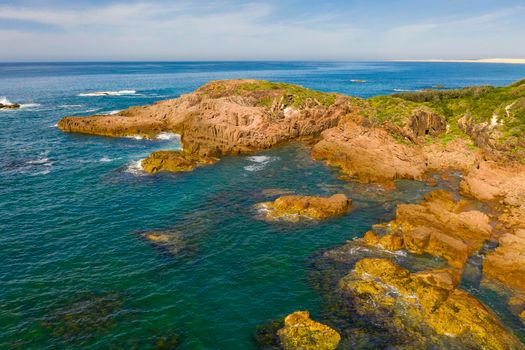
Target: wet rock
{"x":9,"y":106}
{"x":293,"y":207}
{"x":174,"y":161}
{"x":302,"y":333}
{"x":425,"y":306}
{"x":266,"y":335}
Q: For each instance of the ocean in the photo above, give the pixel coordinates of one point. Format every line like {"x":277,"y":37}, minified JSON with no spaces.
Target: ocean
{"x":75,"y":271}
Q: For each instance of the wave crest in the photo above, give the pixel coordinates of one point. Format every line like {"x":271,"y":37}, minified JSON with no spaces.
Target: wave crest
{"x":108,"y":93}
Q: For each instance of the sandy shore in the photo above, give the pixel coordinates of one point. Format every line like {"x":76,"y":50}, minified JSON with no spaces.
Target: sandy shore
{"x":483,"y":60}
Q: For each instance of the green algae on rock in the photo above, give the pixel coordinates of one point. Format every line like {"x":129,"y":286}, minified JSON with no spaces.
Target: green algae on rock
{"x":174,"y":162}
{"x":293,"y":208}
{"x":302,"y":333}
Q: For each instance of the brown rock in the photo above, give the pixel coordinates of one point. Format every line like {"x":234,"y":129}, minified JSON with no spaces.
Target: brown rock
{"x":438,"y":226}
{"x":370,"y":154}
{"x":173,"y":161}
{"x":225,"y":117}
{"x":294,"y":207}
{"x":302,"y":333}
{"x":507,"y":263}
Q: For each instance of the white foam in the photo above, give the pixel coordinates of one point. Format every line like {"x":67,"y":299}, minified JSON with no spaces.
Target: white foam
{"x":4,"y":101}
{"x":30,"y":105}
{"x":39,"y":161}
{"x":70,"y":106}
{"x":135,"y":137}
{"x":54,"y":125}
{"x":404,"y":90}
{"x":168,"y":136}
{"x":108,"y":93}
{"x":107,"y":159}
{"x":259,"y":162}
{"x":135,"y":168}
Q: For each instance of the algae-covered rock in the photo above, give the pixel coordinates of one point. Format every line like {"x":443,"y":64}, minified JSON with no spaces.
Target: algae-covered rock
{"x":302,"y":333}
{"x":173,"y":161}
{"x":293,"y":207}
{"x":426,"y":306}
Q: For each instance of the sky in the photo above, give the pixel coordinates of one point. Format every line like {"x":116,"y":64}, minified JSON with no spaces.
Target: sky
{"x":95,"y":30}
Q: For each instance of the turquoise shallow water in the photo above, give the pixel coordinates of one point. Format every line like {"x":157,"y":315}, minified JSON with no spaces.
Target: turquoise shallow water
{"x":74,"y":270}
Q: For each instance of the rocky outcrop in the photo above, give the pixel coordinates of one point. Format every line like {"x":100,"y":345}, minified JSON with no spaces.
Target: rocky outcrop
{"x":507,"y":263}
{"x":369,"y":154}
{"x":174,"y":161}
{"x":9,"y":106}
{"x":425,"y":306}
{"x":439,"y":226}
{"x":225,"y":117}
{"x":302,"y":333}
{"x":293,"y":208}
{"x":425,"y":122}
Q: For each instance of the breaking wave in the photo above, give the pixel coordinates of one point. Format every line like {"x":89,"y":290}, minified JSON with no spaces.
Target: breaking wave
{"x":259,"y":162}
{"x":135,"y":168}
{"x":168,"y":136}
{"x":108,"y":93}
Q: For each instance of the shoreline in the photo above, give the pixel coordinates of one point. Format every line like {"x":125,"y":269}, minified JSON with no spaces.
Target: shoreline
{"x":482,"y":60}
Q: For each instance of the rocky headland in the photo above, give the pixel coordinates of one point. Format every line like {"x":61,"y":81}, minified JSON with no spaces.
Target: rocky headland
{"x":477,"y":132}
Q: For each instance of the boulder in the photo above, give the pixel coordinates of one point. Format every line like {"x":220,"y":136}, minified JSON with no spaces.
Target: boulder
{"x":507,"y":262}
{"x":294,"y":207}
{"x":426,"y":306}
{"x":439,"y":226}
{"x":302,"y":333}
{"x":174,"y":161}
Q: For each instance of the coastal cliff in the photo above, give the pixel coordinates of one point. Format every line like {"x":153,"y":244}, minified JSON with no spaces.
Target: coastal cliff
{"x":477,"y":132}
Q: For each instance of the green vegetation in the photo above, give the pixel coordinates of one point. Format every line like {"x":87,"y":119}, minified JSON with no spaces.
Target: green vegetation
{"x":292,"y":95}
{"x":265,"y":93}
{"x":388,"y":108}
{"x":481,"y":104}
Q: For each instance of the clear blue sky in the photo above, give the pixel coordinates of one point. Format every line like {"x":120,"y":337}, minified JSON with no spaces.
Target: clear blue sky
{"x":236,"y":29}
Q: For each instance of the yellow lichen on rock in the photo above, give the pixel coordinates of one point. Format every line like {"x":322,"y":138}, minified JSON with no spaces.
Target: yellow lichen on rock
{"x":302,"y":333}
{"x":424,"y":300}
{"x":293,"y":207}
{"x":173,"y":161}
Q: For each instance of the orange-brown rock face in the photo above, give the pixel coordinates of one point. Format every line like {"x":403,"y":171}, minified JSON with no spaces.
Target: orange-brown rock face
{"x":425,"y":305}
{"x":507,"y":263}
{"x":439,"y":226}
{"x":225,"y":117}
{"x":293,"y":208}
{"x":370,"y":154}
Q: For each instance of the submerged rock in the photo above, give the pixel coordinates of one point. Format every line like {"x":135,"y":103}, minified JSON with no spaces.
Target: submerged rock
{"x":84,"y":317}
{"x":439,"y":226}
{"x":293,"y":207}
{"x":171,"y":241}
{"x":302,"y":333}
{"x":426,"y":306}
{"x":173,"y":161}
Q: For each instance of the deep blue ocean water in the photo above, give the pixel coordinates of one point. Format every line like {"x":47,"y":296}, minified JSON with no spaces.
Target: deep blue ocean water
{"x":74,"y":271}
